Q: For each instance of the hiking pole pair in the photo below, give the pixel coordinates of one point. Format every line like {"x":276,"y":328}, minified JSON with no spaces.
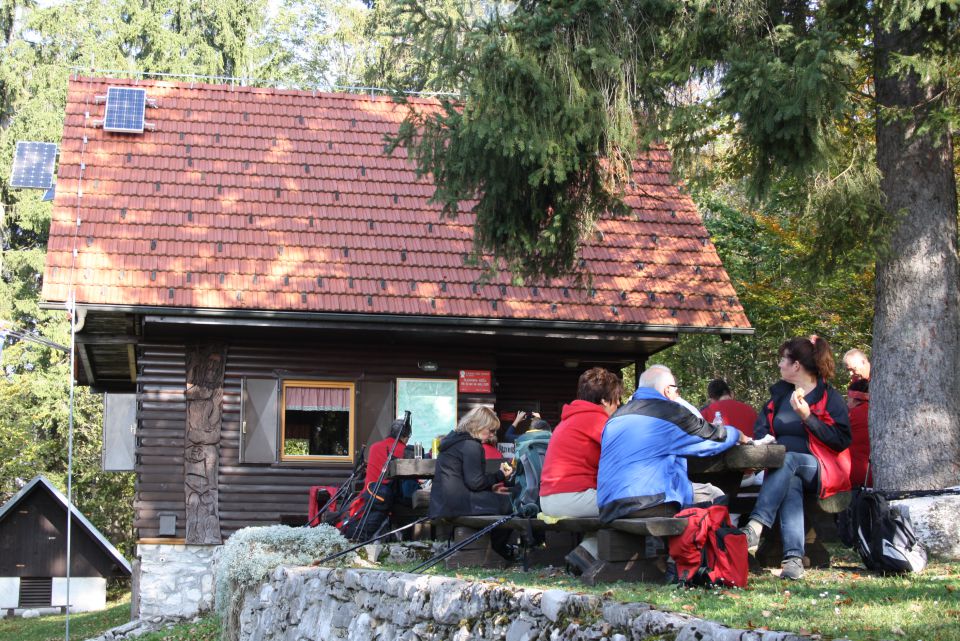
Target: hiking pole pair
{"x":337,"y":555}
{"x":453,"y":549}
{"x":340,"y":490}
{"x":368,"y":507}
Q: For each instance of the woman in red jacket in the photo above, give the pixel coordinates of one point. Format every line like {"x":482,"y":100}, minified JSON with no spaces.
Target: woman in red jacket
{"x":568,"y":483}
{"x":810,"y":419}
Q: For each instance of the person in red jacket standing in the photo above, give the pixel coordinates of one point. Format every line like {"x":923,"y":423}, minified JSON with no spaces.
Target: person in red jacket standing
{"x":568,"y":484}
{"x":858,"y":402}
{"x":732,"y":411}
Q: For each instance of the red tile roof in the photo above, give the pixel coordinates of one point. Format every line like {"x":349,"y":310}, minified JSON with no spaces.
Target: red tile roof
{"x":262,"y":199}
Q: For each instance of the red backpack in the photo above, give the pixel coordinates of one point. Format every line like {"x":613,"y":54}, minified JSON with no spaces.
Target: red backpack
{"x":710,"y":551}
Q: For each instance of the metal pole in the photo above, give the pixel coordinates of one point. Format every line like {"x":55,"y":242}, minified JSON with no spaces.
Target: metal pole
{"x":337,"y":555}
{"x":453,"y":549}
{"x":73,"y":352}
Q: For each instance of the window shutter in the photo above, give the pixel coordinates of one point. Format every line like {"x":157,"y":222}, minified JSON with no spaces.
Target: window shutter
{"x":259,"y":422}
{"x":119,"y":432}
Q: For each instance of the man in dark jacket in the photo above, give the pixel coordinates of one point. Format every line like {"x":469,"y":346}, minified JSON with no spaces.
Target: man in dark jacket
{"x":461,"y":485}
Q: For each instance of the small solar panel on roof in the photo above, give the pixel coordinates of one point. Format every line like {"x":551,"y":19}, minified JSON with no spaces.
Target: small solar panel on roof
{"x":33,"y":165}
{"x":125,"y":110}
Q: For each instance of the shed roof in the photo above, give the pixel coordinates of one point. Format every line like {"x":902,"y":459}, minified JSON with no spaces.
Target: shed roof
{"x":261,"y":199}
{"x":41,"y":482}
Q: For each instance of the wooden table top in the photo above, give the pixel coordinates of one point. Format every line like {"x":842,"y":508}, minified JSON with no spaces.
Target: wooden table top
{"x":737,"y":458}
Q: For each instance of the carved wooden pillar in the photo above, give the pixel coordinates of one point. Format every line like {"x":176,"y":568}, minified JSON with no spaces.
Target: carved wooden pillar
{"x":204,"y":394}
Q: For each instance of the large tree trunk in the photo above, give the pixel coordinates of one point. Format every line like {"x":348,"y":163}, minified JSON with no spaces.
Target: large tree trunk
{"x":915,"y":386}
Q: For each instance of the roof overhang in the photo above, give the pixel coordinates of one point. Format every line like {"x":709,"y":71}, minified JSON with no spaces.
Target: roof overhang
{"x":107,"y":351}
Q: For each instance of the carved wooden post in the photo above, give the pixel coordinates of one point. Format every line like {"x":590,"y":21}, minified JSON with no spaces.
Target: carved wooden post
{"x":204,"y":394}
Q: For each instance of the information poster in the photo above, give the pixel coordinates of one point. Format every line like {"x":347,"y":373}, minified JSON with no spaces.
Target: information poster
{"x":432,"y":404}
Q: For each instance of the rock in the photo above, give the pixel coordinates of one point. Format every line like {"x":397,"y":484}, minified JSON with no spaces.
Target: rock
{"x":552,"y":602}
{"x":30,"y":614}
{"x":934,"y":520}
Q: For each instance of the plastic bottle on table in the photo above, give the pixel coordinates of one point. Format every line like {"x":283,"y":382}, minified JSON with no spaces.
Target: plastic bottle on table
{"x":717,"y":420}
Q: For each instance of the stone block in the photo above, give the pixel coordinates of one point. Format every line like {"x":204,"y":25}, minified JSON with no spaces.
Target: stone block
{"x":552,"y":602}
{"x":935,"y":521}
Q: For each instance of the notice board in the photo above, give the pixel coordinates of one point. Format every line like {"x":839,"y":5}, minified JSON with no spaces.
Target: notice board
{"x":433,"y":407}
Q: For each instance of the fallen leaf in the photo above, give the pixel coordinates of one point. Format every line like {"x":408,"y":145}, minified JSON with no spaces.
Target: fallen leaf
{"x":950,"y":588}
{"x":687,"y":607}
{"x":767,"y":613}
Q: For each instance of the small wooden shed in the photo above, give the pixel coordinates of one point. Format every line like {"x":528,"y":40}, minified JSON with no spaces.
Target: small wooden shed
{"x":33,"y":553}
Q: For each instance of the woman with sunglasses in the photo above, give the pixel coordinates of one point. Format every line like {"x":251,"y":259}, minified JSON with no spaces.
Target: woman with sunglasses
{"x":808,"y":417}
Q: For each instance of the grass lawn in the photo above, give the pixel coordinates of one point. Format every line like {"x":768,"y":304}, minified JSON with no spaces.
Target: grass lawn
{"x":82,"y":626}
{"x":844,"y":600}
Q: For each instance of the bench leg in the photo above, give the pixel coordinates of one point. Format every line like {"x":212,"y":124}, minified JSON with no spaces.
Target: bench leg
{"x":625,"y":557}
{"x":479,"y":553}
{"x":815,"y":555}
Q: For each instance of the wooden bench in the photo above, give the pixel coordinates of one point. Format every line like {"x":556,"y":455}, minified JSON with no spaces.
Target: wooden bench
{"x":628,"y":549}
{"x":818,"y":518}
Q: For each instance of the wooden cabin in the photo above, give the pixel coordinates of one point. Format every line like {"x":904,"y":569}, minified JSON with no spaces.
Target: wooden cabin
{"x":33,"y":553}
{"x":261,"y":288}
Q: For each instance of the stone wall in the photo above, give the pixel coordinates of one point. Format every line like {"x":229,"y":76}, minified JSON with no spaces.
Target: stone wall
{"x":176,"y":580}
{"x":323,"y":604}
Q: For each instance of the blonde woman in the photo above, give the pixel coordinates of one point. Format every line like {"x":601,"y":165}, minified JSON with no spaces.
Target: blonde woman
{"x":461,"y":485}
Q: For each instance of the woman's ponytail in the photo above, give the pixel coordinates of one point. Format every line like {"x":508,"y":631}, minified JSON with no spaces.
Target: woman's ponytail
{"x":823,"y":357}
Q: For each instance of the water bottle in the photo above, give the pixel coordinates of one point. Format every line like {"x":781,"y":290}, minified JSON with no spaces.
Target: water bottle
{"x":717,"y":420}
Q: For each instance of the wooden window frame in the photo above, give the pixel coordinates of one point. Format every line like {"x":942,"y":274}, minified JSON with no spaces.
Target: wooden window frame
{"x":351,"y":423}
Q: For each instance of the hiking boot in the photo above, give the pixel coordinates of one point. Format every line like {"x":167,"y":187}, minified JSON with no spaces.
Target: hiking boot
{"x":792,"y":568}
{"x":753,"y":540}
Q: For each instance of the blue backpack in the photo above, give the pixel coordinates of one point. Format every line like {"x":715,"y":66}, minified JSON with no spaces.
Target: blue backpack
{"x":531,"y":449}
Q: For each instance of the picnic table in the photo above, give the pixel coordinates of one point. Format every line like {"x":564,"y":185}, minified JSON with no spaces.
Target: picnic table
{"x":629,"y":549}
{"x":724,"y":468}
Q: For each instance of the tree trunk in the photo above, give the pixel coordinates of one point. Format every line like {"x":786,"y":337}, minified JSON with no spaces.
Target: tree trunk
{"x":915,"y":387}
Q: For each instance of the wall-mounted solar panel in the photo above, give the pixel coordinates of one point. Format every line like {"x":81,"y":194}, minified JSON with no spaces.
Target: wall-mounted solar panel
{"x":125,"y":109}
{"x":33,"y":165}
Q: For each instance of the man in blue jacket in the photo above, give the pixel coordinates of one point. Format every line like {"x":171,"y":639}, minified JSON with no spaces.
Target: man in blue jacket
{"x":642,"y":451}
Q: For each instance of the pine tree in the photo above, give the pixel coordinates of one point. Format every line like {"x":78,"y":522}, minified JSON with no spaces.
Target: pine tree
{"x":557,"y":96}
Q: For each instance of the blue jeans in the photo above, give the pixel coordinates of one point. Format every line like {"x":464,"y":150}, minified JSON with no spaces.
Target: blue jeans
{"x":782,"y":492}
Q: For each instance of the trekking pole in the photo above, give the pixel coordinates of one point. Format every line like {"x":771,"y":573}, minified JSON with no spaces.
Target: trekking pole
{"x":337,"y":555}
{"x":453,"y":549}
{"x":376,"y":488}
{"x":340,"y":490}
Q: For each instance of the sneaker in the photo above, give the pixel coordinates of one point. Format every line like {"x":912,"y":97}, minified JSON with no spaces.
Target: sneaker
{"x":792,"y":568}
{"x":753,"y":540}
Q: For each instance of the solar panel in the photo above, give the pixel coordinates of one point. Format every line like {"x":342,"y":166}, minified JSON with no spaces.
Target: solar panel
{"x":125,"y":108}
{"x":33,"y":165}
{"x":50,"y":194}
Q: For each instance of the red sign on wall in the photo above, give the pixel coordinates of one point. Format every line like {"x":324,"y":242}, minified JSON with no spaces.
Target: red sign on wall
{"x":475,"y":381}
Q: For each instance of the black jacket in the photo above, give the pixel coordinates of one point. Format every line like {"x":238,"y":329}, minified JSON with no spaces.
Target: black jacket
{"x":461,"y":487}
{"x":794,"y":436}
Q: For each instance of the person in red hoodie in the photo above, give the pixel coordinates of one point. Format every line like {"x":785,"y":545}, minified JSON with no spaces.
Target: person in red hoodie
{"x":568,"y":484}
{"x":858,"y":402}
{"x":732,"y":411}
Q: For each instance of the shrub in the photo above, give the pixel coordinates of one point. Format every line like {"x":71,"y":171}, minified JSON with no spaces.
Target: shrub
{"x":251,"y":554}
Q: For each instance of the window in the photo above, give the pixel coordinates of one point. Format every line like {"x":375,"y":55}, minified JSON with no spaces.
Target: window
{"x":432,"y":404}
{"x":317,"y":420}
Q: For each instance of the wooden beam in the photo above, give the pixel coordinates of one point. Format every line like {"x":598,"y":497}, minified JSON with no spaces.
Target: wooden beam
{"x":132,"y":361}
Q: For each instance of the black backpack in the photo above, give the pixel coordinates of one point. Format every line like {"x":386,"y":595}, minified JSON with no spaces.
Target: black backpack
{"x":883,"y":536}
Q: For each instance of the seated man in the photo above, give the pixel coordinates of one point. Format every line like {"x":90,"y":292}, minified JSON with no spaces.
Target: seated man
{"x":386,"y":496}
{"x":641,"y":454}
{"x":732,"y":411}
